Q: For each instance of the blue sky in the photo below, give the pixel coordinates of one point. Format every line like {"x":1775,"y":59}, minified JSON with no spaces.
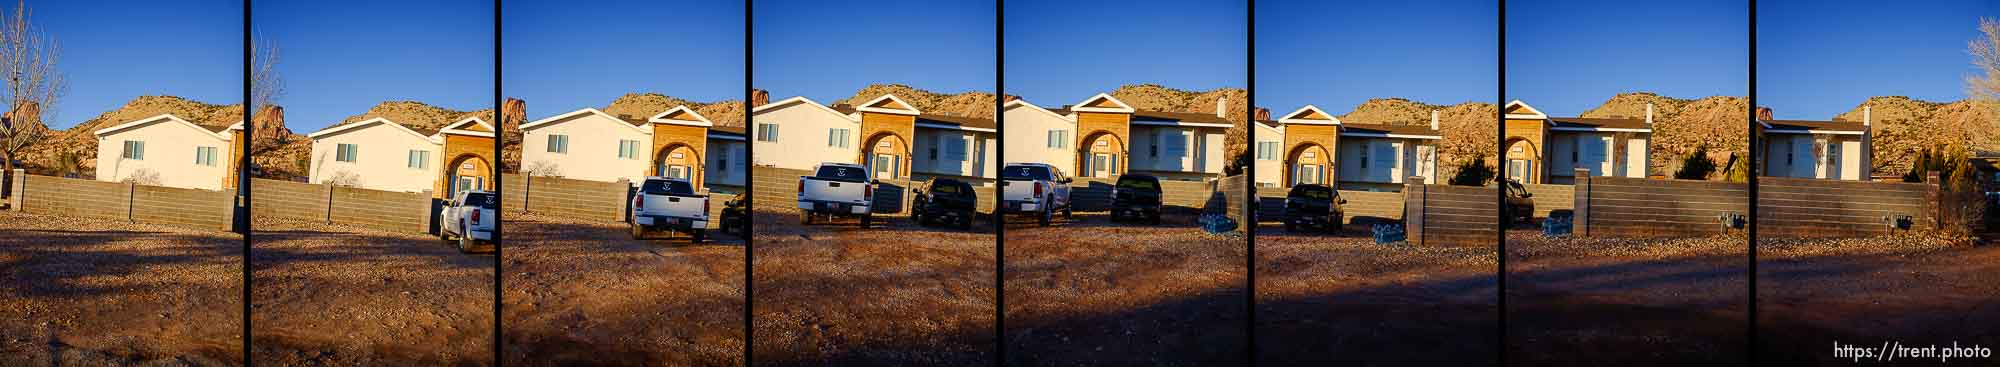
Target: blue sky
{"x":115,"y":51}
{"x":1817,"y":59}
{"x":1062,"y":51}
{"x":1568,"y":56}
{"x":562,"y":56}
{"x":827,"y":50}
{"x":1336,"y":55}
{"x":339,"y":58}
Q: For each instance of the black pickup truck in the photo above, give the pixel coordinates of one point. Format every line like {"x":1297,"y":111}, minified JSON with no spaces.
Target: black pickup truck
{"x":1136,"y":197}
{"x":1311,"y":205}
{"x":945,"y":201}
{"x":1520,"y":204}
{"x":736,"y":216}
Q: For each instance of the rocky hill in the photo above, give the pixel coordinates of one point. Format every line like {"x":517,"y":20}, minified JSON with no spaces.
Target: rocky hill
{"x":1680,"y":126}
{"x":967,"y":104}
{"x":75,"y":150}
{"x":1160,"y":98}
{"x":1468,"y":127}
{"x":1904,"y":126}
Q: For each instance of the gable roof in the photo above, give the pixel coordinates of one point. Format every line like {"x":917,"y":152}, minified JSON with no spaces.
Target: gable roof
{"x":1813,"y":127}
{"x":1309,"y":115}
{"x":568,"y":116}
{"x":681,"y":115}
{"x":470,"y":126}
{"x":1521,"y":110}
{"x":1102,"y":102}
{"x":1023,"y":103}
{"x":217,"y":131}
{"x":890,"y":104}
{"x":1599,"y":124}
{"x":799,"y":100}
{"x":427,"y":135}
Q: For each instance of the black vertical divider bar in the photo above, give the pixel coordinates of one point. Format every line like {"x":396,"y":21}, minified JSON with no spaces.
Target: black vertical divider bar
{"x":1250,"y":190}
{"x":1000,"y":220}
{"x":499,"y":150}
{"x":1751,"y":224}
{"x":1500,"y":196}
{"x":750,"y":188}
{"x":243,"y":213}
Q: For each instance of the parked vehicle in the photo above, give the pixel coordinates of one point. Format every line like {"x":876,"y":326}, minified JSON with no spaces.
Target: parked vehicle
{"x":1314,"y":206}
{"x":945,"y":201}
{"x":1137,"y":197}
{"x":468,"y":219}
{"x":669,"y":204}
{"x":1034,"y":188}
{"x":836,"y":190}
{"x":1520,"y":204}
{"x":736,"y":216}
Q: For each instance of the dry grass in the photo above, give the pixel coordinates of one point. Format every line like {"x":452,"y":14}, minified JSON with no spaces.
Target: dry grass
{"x":1087,"y":292}
{"x":324,"y":295}
{"x":1405,"y":305}
{"x":895,"y":295}
{"x":586,"y":293}
{"x":114,"y":292}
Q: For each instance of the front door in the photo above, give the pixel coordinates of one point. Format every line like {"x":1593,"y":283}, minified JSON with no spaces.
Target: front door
{"x":1518,"y":169}
{"x":1100,"y":165}
{"x":885,"y":166}
{"x":1309,"y":174}
{"x":676,"y":171}
{"x":466,"y":183}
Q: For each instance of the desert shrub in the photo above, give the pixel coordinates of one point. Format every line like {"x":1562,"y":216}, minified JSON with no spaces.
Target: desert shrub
{"x":1696,"y":166}
{"x":1237,"y":163}
{"x":1473,"y":172}
{"x":542,"y":169}
{"x":143,"y":176}
{"x":1739,"y":169}
{"x":344,"y":178}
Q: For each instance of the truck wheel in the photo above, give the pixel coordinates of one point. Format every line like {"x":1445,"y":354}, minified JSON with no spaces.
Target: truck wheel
{"x":638,"y":233}
{"x":919,"y":218}
{"x":464,"y":244}
{"x":866,"y":219}
{"x":965,"y":222}
{"x":1155,"y":218}
{"x":1046,"y":216}
{"x":1067,"y":211}
{"x":700,"y":235}
{"x":805,"y":218}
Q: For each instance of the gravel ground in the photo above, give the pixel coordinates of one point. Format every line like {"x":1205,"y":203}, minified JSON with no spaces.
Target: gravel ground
{"x":1917,"y":290}
{"x":1086,"y":291}
{"x":97,"y":292}
{"x":1603,"y":301}
{"x":587,"y":293}
{"x":339,"y":296}
{"x":1402,"y":305}
{"x":838,"y":295}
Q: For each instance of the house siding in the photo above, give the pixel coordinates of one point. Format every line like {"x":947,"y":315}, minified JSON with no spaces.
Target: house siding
{"x":383,"y":159}
{"x":592,"y":152}
{"x":977,"y":162}
{"x":1027,"y":138}
{"x":170,"y":152}
{"x":802,"y":137}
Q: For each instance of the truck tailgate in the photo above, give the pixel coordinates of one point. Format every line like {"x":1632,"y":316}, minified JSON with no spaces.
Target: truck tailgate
{"x":836,"y":191}
{"x":1017,"y":190}
{"x":689,"y":206}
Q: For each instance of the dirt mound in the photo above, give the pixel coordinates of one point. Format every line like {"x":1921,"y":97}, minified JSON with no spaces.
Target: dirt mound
{"x":75,"y":150}
{"x":1682,"y":125}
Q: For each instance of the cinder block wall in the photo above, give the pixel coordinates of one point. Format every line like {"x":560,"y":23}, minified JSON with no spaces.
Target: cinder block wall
{"x":1451,"y":215}
{"x":183,"y":207}
{"x":1800,"y":207}
{"x":1367,"y":206}
{"x":569,"y":198}
{"x":1093,"y":194}
{"x":381,"y":210}
{"x":289,"y":200}
{"x":191,"y":208}
{"x":1550,"y":198}
{"x":1640,"y":207}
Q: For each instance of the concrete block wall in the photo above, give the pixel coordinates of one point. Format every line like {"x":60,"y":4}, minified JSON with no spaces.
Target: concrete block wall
{"x":288,"y":200}
{"x":569,"y":198}
{"x":408,"y":212}
{"x":1641,"y":207}
{"x":1801,"y":207}
{"x":191,"y":208}
{"x":1451,"y":215}
{"x":1365,"y":207}
{"x":1550,"y":198}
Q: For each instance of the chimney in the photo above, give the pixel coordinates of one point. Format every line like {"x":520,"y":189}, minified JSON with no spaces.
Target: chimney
{"x":1867,"y":115}
{"x":1261,"y":114}
{"x":1649,"y":113}
{"x":1434,"y":119}
{"x":1222,"y":107}
{"x":759,"y":97}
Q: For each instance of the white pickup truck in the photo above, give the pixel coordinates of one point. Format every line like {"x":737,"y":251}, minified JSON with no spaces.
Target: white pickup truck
{"x":1034,"y":188}
{"x":468,"y":219}
{"x":836,"y":190}
{"x":669,"y":204}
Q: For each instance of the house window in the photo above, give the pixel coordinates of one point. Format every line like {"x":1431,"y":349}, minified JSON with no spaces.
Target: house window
{"x":204,"y":156}
{"x":1267,"y":150}
{"x":419,"y":159}
{"x":346,"y":153}
{"x":628,"y":149}
{"x":1058,"y":139}
{"x":954,"y":148}
{"x":559,"y":144}
{"x":936,"y":140}
{"x":838,"y":137}
{"x":134,"y":150}
{"x":767,"y":132}
{"x":1363,"y":154}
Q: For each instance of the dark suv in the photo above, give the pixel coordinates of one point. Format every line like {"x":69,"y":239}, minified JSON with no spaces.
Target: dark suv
{"x":945,"y":201}
{"x":1520,"y":203}
{"x":1136,"y":197}
{"x":1313,"y":205}
{"x":736,"y":216}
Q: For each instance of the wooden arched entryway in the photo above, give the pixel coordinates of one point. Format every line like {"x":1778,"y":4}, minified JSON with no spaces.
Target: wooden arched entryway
{"x":887,"y":156}
{"x":678,"y":160}
{"x":468,"y":172}
{"x":1101,"y":155}
{"x":1524,"y":161}
{"x":1309,"y":163}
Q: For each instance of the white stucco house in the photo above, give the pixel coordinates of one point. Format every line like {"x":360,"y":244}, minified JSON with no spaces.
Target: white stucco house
{"x":1038,"y":135}
{"x":1111,"y":138}
{"x":1833,"y":150}
{"x":891,"y":137}
{"x":1268,"y":153}
{"x":376,"y":154}
{"x":166,"y":150}
{"x":589,"y":144}
{"x":1544,"y":149}
{"x":1381,"y":157}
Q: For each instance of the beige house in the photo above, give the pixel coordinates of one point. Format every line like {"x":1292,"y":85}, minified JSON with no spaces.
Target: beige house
{"x":891,"y":137}
{"x":1833,"y":150}
{"x":1111,"y":138}
{"x":589,"y":144}
{"x":1542,"y":149}
{"x":166,"y":150}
